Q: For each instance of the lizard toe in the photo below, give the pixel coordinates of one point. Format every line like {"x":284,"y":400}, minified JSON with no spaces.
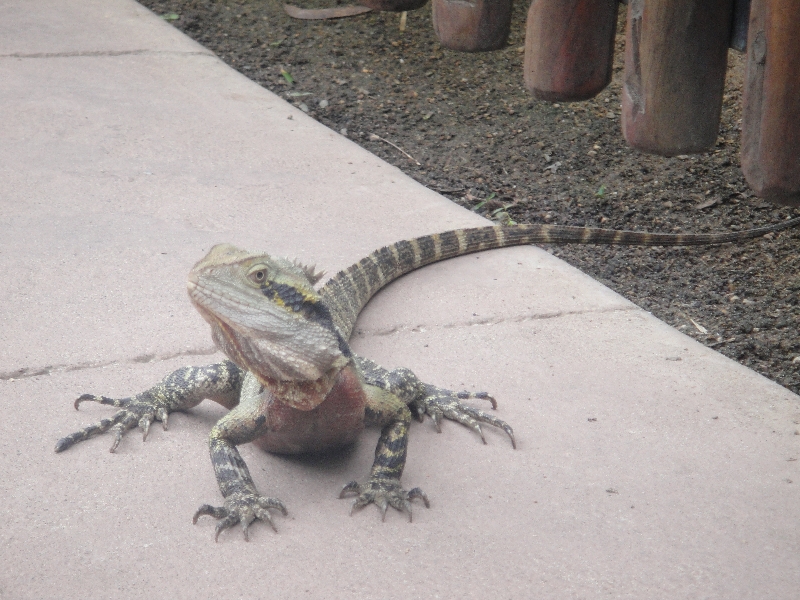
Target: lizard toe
{"x":441,"y":403}
{"x":383,"y":493}
{"x":241,"y":507}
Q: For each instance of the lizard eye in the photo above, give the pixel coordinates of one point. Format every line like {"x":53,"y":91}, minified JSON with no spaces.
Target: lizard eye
{"x":258,"y":276}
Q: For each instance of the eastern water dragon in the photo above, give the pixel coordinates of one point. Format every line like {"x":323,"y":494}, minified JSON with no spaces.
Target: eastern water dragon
{"x":293,"y":385}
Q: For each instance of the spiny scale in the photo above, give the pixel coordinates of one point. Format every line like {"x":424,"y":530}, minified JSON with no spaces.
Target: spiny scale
{"x":348,"y":291}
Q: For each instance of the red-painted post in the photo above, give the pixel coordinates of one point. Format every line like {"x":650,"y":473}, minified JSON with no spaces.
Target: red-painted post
{"x":676,"y":53}
{"x":393,"y":5}
{"x":771,"y":103}
{"x":569,"y":48}
{"x":472,"y":25}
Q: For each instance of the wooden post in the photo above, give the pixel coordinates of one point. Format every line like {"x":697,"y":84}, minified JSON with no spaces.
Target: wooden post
{"x":676,"y":52}
{"x":472,"y":25}
{"x":393,"y":5}
{"x":741,"y":17}
{"x":569,"y":48}
{"x":771,"y":103}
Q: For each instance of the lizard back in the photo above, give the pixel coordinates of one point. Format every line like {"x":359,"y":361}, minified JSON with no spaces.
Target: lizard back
{"x":347,"y":292}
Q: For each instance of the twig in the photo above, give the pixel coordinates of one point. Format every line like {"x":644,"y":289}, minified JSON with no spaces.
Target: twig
{"x":403,"y":17}
{"x":374,"y":137}
{"x":314,"y":14}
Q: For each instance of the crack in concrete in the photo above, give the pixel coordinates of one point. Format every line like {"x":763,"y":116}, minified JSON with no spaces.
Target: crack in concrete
{"x":360,"y":332}
{"x":28,"y":372}
{"x":91,"y":53}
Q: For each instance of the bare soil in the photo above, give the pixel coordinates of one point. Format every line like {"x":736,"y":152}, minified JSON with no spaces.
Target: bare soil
{"x":468,"y":129}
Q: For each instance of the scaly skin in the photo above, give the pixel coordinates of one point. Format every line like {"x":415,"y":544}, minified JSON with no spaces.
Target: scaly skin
{"x":292,"y":383}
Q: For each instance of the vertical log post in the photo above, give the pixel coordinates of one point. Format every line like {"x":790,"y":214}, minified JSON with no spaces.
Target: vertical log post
{"x":741,"y":17}
{"x":676,"y":52}
{"x":569,"y":48}
{"x":472,"y":25}
{"x":393,"y":5}
{"x":771,"y":111}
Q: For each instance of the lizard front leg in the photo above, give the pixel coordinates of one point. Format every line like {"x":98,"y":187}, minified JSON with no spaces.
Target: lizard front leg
{"x":180,"y":390}
{"x":243,"y":504}
{"x":383,"y":486}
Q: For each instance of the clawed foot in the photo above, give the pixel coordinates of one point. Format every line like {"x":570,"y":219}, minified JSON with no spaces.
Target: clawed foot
{"x":141,"y":409}
{"x":440,"y":402}
{"x":383,"y":493}
{"x":241,"y":507}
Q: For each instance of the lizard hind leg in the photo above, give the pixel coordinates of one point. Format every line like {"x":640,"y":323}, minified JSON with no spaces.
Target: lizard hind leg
{"x":436,"y":402}
{"x":439,"y":402}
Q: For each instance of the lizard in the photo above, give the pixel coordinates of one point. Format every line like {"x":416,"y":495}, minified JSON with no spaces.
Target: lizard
{"x":291,"y":382}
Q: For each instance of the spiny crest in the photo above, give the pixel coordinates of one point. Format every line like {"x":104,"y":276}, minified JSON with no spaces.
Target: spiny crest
{"x":225,"y":261}
{"x":310,"y":270}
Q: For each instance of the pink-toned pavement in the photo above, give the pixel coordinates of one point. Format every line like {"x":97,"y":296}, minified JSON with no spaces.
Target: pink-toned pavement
{"x":647,"y":465}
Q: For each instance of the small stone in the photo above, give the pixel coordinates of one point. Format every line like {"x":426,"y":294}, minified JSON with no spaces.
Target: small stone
{"x":323,"y":104}
{"x":302,"y":106}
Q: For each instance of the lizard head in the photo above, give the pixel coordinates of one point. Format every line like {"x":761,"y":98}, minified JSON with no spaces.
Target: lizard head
{"x":266,"y":316}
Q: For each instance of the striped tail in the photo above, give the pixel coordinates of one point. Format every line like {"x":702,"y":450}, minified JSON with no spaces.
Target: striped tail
{"x":348,"y":291}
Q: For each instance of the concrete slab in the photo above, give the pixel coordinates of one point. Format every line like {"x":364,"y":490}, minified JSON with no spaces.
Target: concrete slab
{"x":648,"y":465}
{"x":47,"y":28}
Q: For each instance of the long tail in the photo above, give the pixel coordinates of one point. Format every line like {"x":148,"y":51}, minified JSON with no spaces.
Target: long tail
{"x":348,"y":291}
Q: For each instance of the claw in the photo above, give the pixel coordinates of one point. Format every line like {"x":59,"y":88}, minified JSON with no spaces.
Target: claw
{"x":212,"y":511}
{"x":418,"y":493}
{"x":85,"y":398}
{"x":144,"y":424}
{"x":407,"y":508}
{"x":383,"y":493}
{"x":163,"y":416}
{"x":243,"y":509}
{"x":245,"y":522}
{"x":265,"y":516}
{"x":479,"y":396}
{"x":383,"y":507}
{"x":350,"y":487}
{"x":229,"y":521}
{"x":440,"y":403}
{"x":436,"y":415}
{"x":117,"y":429}
{"x":272,"y":503}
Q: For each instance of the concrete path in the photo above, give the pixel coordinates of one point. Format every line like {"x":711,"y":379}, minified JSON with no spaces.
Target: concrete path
{"x":648,"y":466}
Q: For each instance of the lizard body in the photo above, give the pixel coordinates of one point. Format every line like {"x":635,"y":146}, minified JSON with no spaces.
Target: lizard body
{"x":292,"y":383}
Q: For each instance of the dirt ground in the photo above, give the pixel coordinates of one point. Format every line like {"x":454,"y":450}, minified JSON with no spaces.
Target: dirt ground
{"x":468,"y":129}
